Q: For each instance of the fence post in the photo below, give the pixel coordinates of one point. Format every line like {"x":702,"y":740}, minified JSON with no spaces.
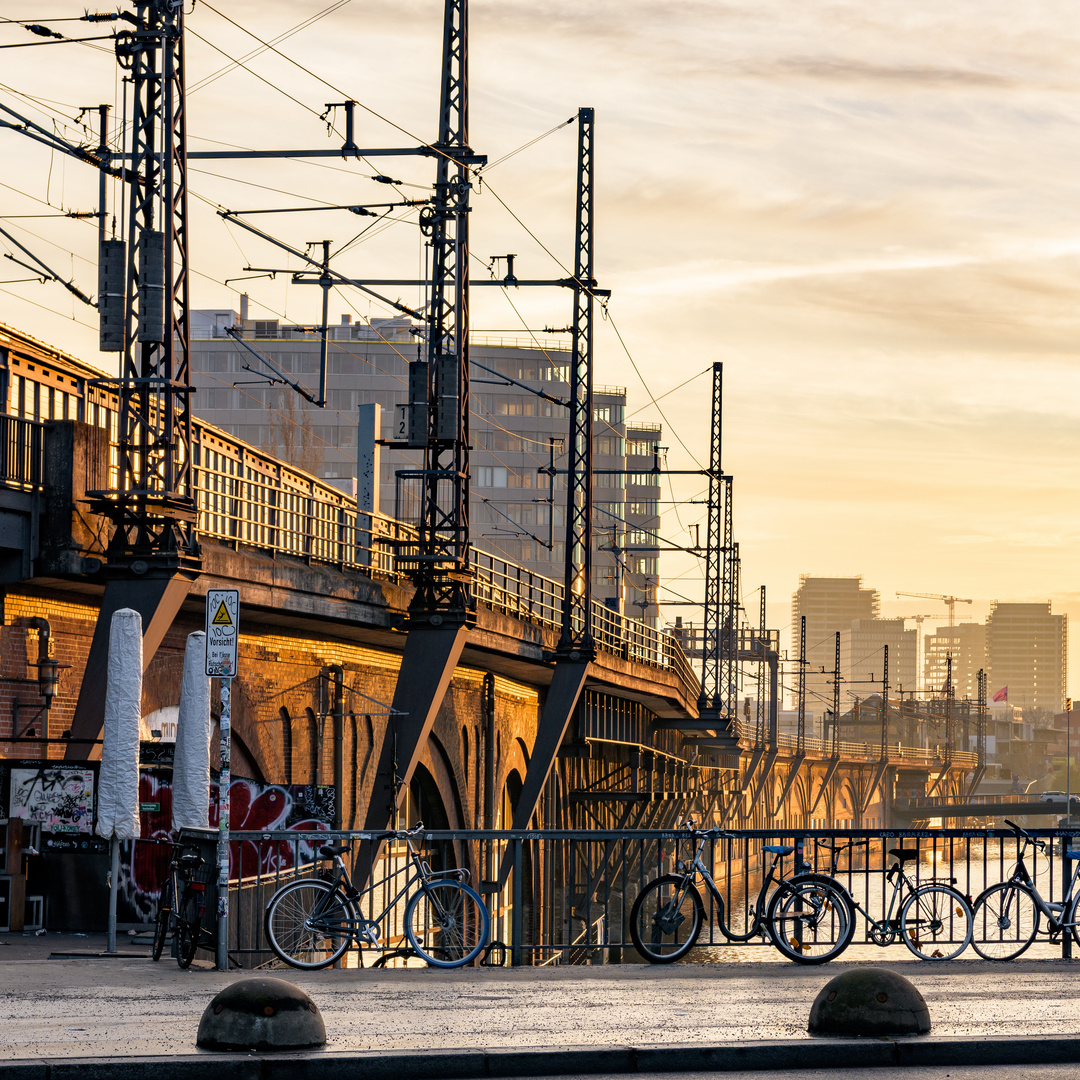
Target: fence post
{"x":1066,"y":877}
{"x":515,"y":900}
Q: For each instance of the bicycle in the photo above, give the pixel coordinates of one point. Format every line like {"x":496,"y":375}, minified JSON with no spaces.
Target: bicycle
{"x":186,"y":921}
{"x":923,"y":916}
{"x":1007,"y":915}
{"x":806,"y":918}
{"x":310,"y":923}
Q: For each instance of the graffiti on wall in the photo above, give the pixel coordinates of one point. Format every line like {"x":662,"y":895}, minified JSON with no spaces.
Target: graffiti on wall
{"x":58,"y":798}
{"x":253,"y":807}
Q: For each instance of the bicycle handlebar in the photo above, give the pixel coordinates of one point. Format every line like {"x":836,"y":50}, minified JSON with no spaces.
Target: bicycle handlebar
{"x":712,"y":834}
{"x":1025,"y":835}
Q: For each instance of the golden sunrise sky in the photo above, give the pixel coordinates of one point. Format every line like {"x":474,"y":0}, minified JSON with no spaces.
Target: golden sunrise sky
{"x":868,"y":212}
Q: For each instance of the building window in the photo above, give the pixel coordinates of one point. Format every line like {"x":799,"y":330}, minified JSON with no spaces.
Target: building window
{"x":491,"y":476}
{"x":609,"y":414}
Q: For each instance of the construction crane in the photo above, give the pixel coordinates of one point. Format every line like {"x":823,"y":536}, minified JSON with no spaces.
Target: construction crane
{"x":949,"y":601}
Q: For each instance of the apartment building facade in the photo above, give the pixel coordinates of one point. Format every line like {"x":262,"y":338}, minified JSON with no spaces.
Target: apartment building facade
{"x":830,"y":604}
{"x":518,"y":434}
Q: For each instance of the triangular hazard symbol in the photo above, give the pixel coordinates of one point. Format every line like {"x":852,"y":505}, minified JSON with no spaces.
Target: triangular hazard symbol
{"x":222,"y":616}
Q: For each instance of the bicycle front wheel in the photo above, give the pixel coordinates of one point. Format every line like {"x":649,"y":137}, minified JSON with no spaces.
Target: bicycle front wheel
{"x":809,"y":921}
{"x":309,"y":924}
{"x":446,"y":923}
{"x":1006,"y":921}
{"x":666,"y":919}
{"x":164,"y":913}
{"x":936,"y":922}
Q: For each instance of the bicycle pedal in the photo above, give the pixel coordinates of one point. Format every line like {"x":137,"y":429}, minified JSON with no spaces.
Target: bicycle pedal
{"x":370,"y":934}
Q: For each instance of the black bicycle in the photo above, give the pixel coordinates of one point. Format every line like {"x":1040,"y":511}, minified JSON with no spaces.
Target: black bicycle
{"x":1007,"y":915}
{"x":310,"y":923}
{"x":184,"y":917}
{"x":806,"y":917}
{"x":932,"y":918}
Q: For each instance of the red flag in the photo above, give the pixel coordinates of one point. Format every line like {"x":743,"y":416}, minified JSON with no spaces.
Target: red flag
{"x":1002,"y":694}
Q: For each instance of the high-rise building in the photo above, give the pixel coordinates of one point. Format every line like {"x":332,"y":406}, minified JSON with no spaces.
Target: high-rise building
{"x":966,"y":644}
{"x":862,"y":656}
{"x":1027,"y":647}
{"x":519,"y":437}
{"x":829,"y":604}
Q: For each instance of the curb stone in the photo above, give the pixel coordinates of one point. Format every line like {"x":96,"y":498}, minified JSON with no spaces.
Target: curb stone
{"x":831,"y":1053}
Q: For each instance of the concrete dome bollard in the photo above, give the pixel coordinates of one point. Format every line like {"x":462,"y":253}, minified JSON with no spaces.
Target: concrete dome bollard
{"x":869,"y":1001}
{"x":261,"y":1014}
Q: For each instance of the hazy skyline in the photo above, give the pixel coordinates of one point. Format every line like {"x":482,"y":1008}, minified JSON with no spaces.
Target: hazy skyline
{"x":867,"y":212}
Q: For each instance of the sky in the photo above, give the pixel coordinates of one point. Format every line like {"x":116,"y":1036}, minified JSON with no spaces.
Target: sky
{"x":868,"y":212}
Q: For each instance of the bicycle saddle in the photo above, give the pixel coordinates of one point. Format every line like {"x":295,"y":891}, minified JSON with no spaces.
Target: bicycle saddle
{"x":778,"y":849}
{"x":190,"y":860}
{"x":1071,"y":853}
{"x":904,"y":854}
{"x":330,"y":850}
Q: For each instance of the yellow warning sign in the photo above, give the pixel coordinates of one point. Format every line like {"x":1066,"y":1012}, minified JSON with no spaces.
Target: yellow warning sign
{"x":222,"y":616}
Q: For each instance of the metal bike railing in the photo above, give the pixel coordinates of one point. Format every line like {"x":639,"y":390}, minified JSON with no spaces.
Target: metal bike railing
{"x":246,"y":497}
{"x":560,"y":888}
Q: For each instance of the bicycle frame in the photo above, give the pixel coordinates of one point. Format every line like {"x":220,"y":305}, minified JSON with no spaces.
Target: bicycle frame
{"x":888,"y":926}
{"x":697,"y":866}
{"x":1053,"y":910}
{"x":362,"y":929}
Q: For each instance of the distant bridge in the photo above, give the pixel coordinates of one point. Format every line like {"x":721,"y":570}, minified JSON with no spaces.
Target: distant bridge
{"x":965,"y":806}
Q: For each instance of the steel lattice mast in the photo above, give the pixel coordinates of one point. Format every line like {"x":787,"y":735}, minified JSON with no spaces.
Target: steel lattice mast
{"x":154,"y":502}
{"x":711,"y":680}
{"x":443,"y":572}
{"x":576,"y":639}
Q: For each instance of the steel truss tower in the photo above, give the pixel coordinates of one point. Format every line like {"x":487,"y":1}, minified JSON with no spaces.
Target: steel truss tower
{"x":153,"y":504}
{"x":720,"y":648}
{"x":443,"y":571}
{"x":576,"y":639}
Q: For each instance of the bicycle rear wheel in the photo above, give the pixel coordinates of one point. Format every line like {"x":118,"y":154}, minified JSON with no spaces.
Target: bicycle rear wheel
{"x":164,"y":914}
{"x":1006,"y":921}
{"x":809,"y":921}
{"x":309,"y":924}
{"x":666,"y":919}
{"x":446,"y":923}
{"x":187,"y":930}
{"x":936,"y":922}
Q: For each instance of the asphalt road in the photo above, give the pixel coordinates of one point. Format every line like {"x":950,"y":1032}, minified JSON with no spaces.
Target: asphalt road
{"x":131,"y":1006}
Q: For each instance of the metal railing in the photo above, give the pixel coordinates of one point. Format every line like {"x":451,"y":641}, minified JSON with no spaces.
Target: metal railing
{"x":864,"y":751}
{"x":247,"y":497}
{"x":22,"y":453}
{"x":568,"y":895}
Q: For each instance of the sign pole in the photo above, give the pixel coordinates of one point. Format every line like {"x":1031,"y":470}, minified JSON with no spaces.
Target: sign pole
{"x":222,"y":650}
{"x":224,"y":779}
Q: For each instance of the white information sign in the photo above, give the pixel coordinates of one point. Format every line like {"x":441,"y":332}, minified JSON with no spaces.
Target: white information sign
{"x":222,"y":632}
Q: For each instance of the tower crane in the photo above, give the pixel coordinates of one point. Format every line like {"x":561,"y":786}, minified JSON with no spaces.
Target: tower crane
{"x":949,"y":601}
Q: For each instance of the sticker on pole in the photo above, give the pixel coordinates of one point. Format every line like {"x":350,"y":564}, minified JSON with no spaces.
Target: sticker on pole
{"x":222,"y":632}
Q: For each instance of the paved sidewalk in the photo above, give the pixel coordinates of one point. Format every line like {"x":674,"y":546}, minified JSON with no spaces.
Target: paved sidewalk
{"x":119,"y":1008}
